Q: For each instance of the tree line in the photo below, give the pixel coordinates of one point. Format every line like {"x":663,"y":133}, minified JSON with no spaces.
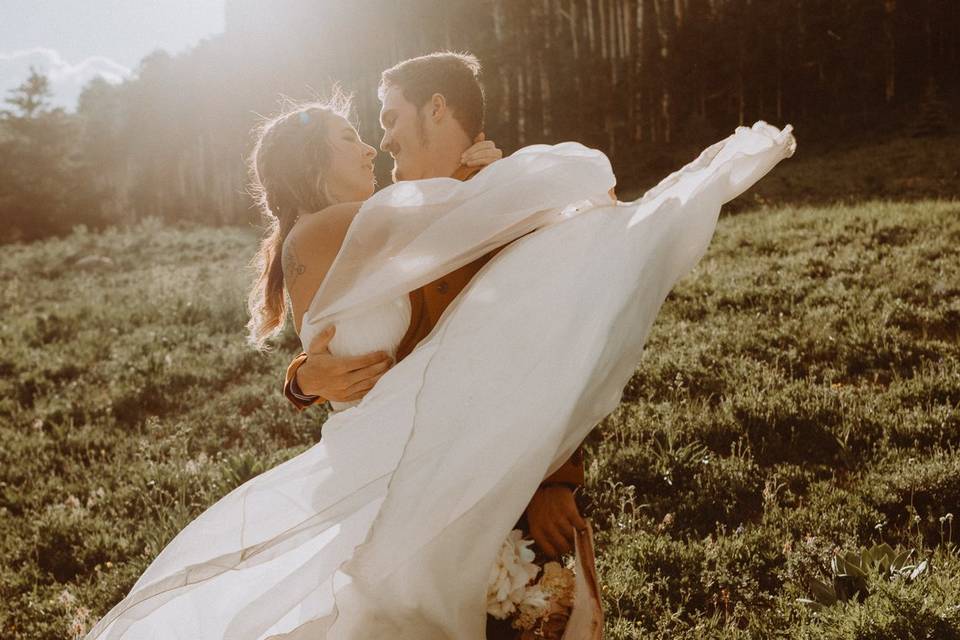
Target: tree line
{"x":635,"y":78}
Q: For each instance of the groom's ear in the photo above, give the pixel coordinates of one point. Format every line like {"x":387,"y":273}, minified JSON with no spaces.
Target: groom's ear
{"x":438,"y":107}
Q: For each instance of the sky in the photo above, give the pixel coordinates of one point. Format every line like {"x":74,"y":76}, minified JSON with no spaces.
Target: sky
{"x":73,"y":41}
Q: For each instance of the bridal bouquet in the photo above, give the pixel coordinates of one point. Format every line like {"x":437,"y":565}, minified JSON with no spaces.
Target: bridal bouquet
{"x":539,"y":607}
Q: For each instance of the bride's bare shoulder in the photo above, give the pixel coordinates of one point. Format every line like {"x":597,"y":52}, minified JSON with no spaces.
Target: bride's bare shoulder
{"x":333,"y":220}
{"x":311,"y":246}
{"x":318,"y":233}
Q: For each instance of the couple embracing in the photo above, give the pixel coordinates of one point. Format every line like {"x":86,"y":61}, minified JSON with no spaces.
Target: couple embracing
{"x":469,"y":328}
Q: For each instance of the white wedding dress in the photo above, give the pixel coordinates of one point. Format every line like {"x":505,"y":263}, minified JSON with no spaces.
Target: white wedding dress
{"x":380,"y":328}
{"x":389,"y":526}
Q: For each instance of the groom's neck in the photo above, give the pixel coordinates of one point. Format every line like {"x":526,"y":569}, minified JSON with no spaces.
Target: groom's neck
{"x":444,"y":153}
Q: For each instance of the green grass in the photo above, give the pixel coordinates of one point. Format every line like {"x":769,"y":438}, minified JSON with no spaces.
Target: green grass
{"x":800,"y":394}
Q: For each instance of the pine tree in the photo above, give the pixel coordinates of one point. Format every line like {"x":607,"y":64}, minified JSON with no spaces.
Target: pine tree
{"x":933,"y":118}
{"x":42,"y":190}
{"x":31,"y":97}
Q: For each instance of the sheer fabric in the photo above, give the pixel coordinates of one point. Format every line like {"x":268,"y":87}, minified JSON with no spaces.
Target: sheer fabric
{"x":411,"y":233}
{"x":388,"y":527}
{"x":375,"y":328}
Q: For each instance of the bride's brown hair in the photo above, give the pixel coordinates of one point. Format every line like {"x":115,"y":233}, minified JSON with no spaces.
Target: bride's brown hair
{"x":287,"y":167}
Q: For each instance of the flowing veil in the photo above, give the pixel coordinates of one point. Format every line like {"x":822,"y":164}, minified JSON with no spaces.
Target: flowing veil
{"x":388,"y":527}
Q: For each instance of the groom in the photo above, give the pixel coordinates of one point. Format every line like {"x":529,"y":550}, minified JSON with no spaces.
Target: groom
{"x":432,"y":111}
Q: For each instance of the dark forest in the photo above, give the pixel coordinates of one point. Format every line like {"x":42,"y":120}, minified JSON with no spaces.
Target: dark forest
{"x":642,"y":80}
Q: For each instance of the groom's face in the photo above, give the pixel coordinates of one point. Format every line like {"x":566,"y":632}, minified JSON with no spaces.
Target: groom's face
{"x":404,"y":135}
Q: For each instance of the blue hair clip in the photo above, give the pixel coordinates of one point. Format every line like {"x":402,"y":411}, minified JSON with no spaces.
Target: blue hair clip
{"x":304,"y":117}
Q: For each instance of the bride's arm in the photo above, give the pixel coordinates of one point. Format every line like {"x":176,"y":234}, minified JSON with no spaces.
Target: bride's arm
{"x":481,"y":153}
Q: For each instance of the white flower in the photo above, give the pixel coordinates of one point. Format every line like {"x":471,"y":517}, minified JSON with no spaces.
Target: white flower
{"x":510,"y":576}
{"x":193,"y":467}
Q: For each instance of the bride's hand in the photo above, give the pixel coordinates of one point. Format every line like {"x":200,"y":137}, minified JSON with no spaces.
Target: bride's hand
{"x":481,"y":153}
{"x":554,"y":519}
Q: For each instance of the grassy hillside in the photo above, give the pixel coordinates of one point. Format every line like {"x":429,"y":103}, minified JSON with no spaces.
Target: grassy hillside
{"x":800,"y":395}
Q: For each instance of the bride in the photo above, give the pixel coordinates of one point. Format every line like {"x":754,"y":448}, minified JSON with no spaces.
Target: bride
{"x":389,"y":526}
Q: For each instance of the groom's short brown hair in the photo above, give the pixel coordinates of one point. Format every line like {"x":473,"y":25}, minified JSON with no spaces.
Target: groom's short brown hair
{"x":453,"y":75}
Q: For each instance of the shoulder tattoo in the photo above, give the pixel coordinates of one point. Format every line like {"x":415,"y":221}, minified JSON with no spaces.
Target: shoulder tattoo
{"x":292,"y":267}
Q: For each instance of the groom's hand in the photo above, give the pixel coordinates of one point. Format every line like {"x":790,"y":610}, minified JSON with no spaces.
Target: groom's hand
{"x":554,"y":519}
{"x":341,"y":379}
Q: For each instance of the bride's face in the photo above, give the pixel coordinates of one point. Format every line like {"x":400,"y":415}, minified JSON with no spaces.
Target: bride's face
{"x":350,"y":170}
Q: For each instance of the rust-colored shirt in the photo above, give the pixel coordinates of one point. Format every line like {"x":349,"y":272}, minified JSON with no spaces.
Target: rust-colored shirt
{"x":429,"y":302}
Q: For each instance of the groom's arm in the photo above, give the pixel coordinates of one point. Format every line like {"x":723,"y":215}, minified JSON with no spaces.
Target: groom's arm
{"x":292,"y":390}
{"x":318,"y":375}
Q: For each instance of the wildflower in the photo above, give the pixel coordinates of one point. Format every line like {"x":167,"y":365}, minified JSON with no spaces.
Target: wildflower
{"x":66,"y":598}
{"x":193,"y":467}
{"x":80,"y":622}
{"x":96,"y":497}
{"x":665,"y":523}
